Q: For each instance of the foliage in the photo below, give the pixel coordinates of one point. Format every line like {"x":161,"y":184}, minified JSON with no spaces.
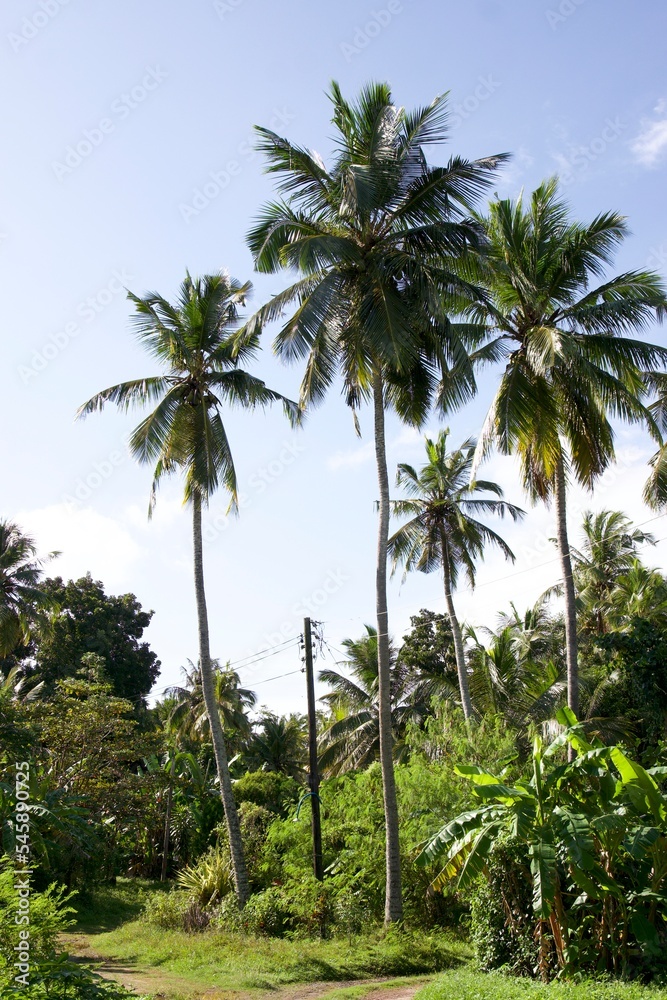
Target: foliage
{"x":86,"y":620}
{"x":638,"y":669}
{"x":187,"y":715}
{"x":278,"y":743}
{"x":469,"y":984}
{"x":23,"y":600}
{"x":595,"y":830}
{"x":273,"y":790}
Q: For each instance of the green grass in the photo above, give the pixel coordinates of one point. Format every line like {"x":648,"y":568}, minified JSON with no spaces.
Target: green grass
{"x":467,"y":984}
{"x":109,"y":907}
{"x":234,"y":961}
{"x":109,"y":918}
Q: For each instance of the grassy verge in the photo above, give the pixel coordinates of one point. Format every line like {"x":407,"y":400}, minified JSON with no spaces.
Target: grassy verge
{"x":466,"y":984}
{"x":109,"y":925}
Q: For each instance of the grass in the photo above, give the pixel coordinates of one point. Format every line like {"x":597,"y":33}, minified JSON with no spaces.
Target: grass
{"x":108,"y":923}
{"x":467,"y":984}
{"x":110,"y":907}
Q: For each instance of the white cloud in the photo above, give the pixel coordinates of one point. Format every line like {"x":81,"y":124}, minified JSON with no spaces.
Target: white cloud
{"x":351,"y":458}
{"x":651,"y":143}
{"x":88,"y":541}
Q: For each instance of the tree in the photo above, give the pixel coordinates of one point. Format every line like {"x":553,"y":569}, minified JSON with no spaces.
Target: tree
{"x":598,"y":824}
{"x":372,"y":238}
{"x":86,"y":620}
{"x":196,"y":340}
{"x":569,"y":368}
{"x":21,"y":595}
{"x":279,"y":744}
{"x":608,"y":552}
{"x":443,"y":531}
{"x":188,"y":715}
{"x":352,"y":739}
{"x":520,"y":671}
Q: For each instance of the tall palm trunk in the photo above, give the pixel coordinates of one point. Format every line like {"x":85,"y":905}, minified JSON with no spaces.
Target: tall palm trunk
{"x":226,"y":794}
{"x":568,"y":587}
{"x":167,"y":830}
{"x":461,"y":669}
{"x":393,"y":910}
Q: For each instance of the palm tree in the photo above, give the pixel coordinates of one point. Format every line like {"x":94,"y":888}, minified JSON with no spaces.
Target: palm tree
{"x":569,"y":366}
{"x":443,"y":531}
{"x":519,"y":672}
{"x":351,"y":741}
{"x":188,"y":716}
{"x":608,"y":552}
{"x":196,"y":341}
{"x":279,"y":744}
{"x":21,"y":600}
{"x":371,"y":238}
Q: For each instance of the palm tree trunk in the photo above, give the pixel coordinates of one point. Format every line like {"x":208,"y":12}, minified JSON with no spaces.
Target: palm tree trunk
{"x":167,"y":828}
{"x":461,"y":669}
{"x":226,"y":794}
{"x":568,"y":587}
{"x":393,"y":910}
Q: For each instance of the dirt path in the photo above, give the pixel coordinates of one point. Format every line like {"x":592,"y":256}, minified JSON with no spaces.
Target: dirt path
{"x":159,"y":983}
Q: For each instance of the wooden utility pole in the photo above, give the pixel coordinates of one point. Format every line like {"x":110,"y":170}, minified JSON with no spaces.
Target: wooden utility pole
{"x":313,"y":778}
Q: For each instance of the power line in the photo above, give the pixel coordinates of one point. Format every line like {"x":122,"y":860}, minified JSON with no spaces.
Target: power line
{"x":252,"y":656}
{"x":290,"y":673}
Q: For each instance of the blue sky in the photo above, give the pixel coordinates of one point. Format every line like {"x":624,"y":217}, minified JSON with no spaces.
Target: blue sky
{"x":127,"y":158}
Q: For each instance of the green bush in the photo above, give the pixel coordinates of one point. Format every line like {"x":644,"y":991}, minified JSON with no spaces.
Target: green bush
{"x":502,"y":925}
{"x":168,"y":909}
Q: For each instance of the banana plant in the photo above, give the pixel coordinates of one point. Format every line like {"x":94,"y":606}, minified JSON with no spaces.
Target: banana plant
{"x":595,"y":829}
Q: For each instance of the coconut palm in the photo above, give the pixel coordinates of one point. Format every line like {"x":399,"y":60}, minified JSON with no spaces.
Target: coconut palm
{"x":371,"y":237}
{"x":188,"y":716}
{"x":196,"y":341}
{"x":279,"y":743}
{"x":518,"y":670}
{"x":569,"y":366}
{"x":609,"y":551}
{"x":444,"y":531}
{"x":22,"y":602}
{"x":351,"y":741}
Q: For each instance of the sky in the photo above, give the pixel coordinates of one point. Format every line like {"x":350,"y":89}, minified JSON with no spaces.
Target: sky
{"x":128,"y":158}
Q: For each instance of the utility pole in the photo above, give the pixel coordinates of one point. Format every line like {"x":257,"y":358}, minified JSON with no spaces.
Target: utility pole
{"x":313,"y":778}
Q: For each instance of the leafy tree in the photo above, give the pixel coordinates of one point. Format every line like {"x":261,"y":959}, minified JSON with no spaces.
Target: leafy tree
{"x":187,"y":715}
{"x":519,"y":673}
{"x":444,"y":531}
{"x":196,"y":342}
{"x":608,"y":552}
{"x":279,"y":743}
{"x":569,"y":367}
{"x":372,"y":238}
{"x":596,"y":834}
{"x":636,"y":687}
{"x":86,"y":620}
{"x":21,"y":595}
{"x":352,"y":739}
